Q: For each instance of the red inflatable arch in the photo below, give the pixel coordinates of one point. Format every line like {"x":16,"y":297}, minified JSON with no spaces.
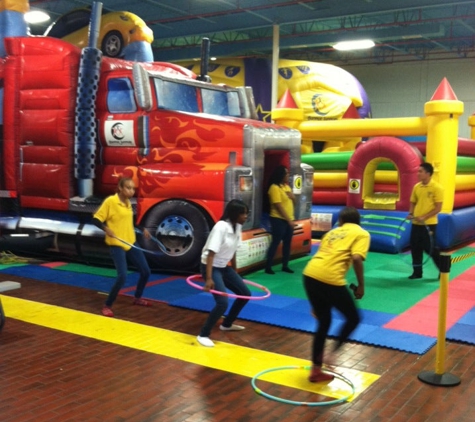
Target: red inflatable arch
{"x":362,"y":168}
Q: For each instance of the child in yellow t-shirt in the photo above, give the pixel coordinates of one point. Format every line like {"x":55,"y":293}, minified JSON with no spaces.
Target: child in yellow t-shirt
{"x":115,"y":217}
{"x":281,"y":216}
{"x":325,"y":284}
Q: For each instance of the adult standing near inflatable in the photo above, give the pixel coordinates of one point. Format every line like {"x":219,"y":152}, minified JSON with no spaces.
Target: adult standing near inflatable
{"x":426,"y":203}
{"x":219,"y":250}
{"x":281,"y":216}
{"x":325,"y":284}
{"x":115,"y":217}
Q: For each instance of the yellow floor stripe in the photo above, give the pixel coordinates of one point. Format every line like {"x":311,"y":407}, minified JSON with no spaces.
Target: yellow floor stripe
{"x":227,"y":357}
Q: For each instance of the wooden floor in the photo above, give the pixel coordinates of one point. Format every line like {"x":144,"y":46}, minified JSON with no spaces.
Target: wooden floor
{"x":49,"y":375}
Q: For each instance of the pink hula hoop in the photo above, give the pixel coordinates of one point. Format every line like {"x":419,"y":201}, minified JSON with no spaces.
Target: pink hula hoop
{"x":191,"y":280}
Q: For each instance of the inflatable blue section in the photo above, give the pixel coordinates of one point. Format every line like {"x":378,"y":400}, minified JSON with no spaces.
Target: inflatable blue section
{"x":456,"y":228}
{"x":12,"y":25}
{"x":328,"y":209}
{"x":413,"y":138}
{"x":138,"y":51}
{"x":390,"y":232}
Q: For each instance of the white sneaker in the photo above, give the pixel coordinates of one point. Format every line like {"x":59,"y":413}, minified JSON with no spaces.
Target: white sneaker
{"x":234,"y":327}
{"x":205,"y":341}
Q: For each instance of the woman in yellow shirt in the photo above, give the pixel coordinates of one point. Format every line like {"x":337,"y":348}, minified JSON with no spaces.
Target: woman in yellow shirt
{"x":325,"y":284}
{"x":115,"y":217}
{"x":281,"y":216}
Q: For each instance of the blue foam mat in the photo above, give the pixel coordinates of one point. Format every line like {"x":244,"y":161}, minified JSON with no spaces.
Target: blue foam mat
{"x":461,"y":332}
{"x":60,"y":277}
{"x":295,"y":314}
{"x":464,"y":329}
{"x":166,"y":292}
{"x":469,"y":318}
{"x":70,"y":278}
{"x":282,"y":311}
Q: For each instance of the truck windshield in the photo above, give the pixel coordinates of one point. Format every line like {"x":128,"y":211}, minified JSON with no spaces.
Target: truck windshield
{"x":221,"y":103}
{"x":173,"y":95}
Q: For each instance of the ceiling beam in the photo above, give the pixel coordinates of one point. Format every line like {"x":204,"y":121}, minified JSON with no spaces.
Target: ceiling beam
{"x":239,"y":48}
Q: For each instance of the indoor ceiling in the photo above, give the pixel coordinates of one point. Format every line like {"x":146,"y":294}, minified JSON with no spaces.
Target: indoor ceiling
{"x":403,"y":30}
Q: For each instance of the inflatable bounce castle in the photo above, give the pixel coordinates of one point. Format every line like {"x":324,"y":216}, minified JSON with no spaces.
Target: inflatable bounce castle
{"x":378,"y":176}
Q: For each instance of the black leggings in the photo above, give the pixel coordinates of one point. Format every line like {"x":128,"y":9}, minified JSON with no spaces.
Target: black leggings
{"x":323,"y":297}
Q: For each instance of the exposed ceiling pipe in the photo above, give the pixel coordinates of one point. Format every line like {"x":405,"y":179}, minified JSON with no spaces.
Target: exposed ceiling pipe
{"x":335,"y":32}
{"x":232,"y":11}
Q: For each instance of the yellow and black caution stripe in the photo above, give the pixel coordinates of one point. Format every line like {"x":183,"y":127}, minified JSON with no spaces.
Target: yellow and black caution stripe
{"x":455,"y":259}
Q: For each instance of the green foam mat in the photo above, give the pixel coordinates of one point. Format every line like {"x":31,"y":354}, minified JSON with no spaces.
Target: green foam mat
{"x":387,"y":287}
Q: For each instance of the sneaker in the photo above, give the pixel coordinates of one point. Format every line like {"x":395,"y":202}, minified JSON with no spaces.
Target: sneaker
{"x":234,"y":327}
{"x":414,"y":276}
{"x":317,"y":375}
{"x":141,"y":302}
{"x":106,"y":311}
{"x":269,"y":271}
{"x":287,"y":270}
{"x":205,"y":341}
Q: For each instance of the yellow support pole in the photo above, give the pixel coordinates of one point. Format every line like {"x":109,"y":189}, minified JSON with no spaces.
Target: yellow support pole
{"x":442,"y":324}
{"x":439,"y":377}
{"x":471,"y":123}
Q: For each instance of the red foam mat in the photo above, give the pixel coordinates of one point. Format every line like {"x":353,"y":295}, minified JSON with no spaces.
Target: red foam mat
{"x":460,"y":300}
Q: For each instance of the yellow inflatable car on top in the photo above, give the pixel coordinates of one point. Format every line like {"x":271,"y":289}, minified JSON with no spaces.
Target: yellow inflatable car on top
{"x":118,"y":29}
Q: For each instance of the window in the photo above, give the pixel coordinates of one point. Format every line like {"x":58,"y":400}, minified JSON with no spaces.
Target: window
{"x":69,"y":23}
{"x":172,"y":95}
{"x":176,"y":96}
{"x":221,"y":103}
{"x":120,"y":96}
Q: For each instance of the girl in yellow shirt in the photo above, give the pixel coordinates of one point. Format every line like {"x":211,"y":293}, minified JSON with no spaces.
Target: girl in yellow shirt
{"x":115,"y":217}
{"x":281,"y":216}
{"x":325,"y":284}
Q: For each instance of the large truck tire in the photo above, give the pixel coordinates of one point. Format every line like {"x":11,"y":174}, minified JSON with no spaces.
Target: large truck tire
{"x":182,"y":229}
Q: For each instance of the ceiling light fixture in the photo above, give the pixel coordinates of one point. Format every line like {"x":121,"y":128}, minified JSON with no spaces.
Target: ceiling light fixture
{"x":36,"y":16}
{"x":353,"y":45}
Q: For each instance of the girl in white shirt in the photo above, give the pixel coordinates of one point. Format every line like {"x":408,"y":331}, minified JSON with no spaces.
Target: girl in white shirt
{"x":218,"y":252}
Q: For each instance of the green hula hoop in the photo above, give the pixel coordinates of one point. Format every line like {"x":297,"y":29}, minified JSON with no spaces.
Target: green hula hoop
{"x":301,"y":403}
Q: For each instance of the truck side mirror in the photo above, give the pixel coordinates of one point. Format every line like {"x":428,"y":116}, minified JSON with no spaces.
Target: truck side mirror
{"x":243,"y":104}
{"x":142,"y":91}
{"x":247,"y":103}
{"x":251,"y":102}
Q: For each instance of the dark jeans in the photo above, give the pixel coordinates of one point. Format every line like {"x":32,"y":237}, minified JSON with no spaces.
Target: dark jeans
{"x":224,"y":277}
{"x":323,"y":297}
{"x":281,"y":232}
{"x":422,"y":241}
{"x":137,"y":258}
